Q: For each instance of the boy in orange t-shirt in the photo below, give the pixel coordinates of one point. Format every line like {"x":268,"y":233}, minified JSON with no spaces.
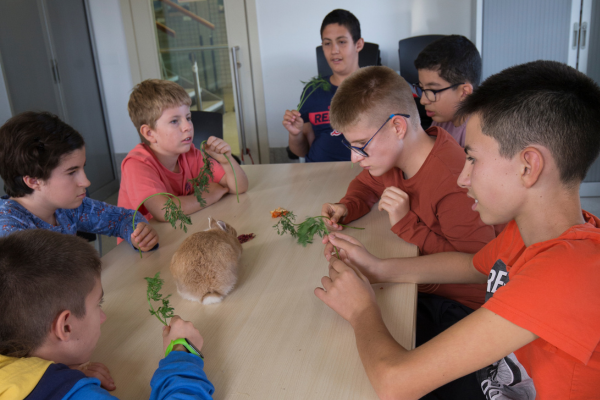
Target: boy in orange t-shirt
{"x":166,"y":159}
{"x":530,"y":140}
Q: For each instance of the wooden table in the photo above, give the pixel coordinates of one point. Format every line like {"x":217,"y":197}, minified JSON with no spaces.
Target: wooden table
{"x":271,"y":338}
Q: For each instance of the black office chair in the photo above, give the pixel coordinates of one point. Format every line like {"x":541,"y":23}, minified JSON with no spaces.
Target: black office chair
{"x":408,"y":50}
{"x":369,"y":55}
{"x":208,"y":124}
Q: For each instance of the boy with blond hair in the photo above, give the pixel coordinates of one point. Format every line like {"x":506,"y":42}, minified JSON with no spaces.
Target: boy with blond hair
{"x":531,"y":138}
{"x":42,"y":163}
{"x":166,"y":159}
{"x":449,"y":70}
{"x":412,"y":174}
{"x":51,"y":300}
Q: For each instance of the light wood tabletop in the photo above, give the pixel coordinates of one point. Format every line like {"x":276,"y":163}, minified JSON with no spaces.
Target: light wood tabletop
{"x":271,"y":337}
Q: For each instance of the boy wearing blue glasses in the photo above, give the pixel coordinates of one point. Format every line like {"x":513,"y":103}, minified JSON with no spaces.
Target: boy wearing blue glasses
{"x":412,"y":173}
{"x":449,"y":70}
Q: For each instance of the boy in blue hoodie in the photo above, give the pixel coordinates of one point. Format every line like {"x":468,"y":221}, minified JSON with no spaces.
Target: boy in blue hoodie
{"x":51,"y":301}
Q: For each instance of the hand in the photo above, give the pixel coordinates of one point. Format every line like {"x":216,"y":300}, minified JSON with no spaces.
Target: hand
{"x":144,"y":237}
{"x":216,"y":148}
{"x":293,"y":122}
{"x":346,"y":291}
{"x":97,"y":370}
{"x":353,"y":253}
{"x":180,"y":329}
{"x":396,"y":202}
{"x":334,"y":213}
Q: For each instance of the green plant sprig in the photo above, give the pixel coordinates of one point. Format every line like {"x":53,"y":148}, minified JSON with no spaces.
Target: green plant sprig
{"x":200,"y":183}
{"x":173,"y":213}
{"x":314,"y":84}
{"x":306,"y":230}
{"x":153,"y":294}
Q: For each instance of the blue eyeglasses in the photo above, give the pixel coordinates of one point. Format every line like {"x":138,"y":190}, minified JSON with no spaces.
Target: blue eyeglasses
{"x":361,"y":150}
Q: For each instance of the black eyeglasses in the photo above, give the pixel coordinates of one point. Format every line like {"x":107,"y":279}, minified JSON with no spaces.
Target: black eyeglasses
{"x":431,"y":94}
{"x":361,"y":150}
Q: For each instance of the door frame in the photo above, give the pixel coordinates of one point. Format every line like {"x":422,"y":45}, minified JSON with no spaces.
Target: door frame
{"x":107,"y":190}
{"x":142,"y":46}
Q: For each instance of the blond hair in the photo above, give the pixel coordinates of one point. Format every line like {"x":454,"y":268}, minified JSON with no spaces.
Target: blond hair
{"x":150,"y":98}
{"x":373,"y":93}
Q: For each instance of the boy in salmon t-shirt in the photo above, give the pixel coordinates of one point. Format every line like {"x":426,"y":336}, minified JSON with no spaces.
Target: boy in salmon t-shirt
{"x":166,"y":159}
{"x":531,"y":138}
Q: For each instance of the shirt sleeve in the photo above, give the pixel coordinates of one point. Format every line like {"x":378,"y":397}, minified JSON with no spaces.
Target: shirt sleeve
{"x":363,"y":192}
{"x":101,"y":218}
{"x":181,"y":376}
{"x":462,"y":228}
{"x":88,"y":389}
{"x":555,"y":295}
{"x":140,"y":180}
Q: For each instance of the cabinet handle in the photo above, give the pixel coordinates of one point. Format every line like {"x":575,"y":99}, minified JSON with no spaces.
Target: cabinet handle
{"x":583,"y":35}
{"x":575,"y":34}
{"x":236,"y":65}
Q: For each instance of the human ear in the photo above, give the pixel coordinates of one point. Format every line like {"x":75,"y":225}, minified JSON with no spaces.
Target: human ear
{"x":147,"y":133}
{"x":360,"y":43}
{"x":61,"y":326}
{"x":32,"y":183}
{"x":400,"y":126}
{"x":532,"y":165}
{"x":466,"y":90}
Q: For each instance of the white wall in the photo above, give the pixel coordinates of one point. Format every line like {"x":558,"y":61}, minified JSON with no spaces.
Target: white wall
{"x":289,"y":33}
{"x":115,"y":72}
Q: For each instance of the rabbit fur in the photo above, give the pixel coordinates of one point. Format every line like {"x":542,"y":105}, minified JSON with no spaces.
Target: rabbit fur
{"x":205,"y":265}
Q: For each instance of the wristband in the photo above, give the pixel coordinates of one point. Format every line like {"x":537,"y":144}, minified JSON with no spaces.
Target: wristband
{"x":184,"y":342}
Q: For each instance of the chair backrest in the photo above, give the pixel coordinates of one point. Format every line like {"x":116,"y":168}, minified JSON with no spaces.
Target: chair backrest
{"x":206,"y":124}
{"x":408,"y":50}
{"x":369,"y":55}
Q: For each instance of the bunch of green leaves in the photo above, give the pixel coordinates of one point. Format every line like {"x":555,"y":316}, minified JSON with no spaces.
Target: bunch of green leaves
{"x":311,"y":86}
{"x":200,"y":183}
{"x":305,"y":231}
{"x":173,"y":213}
{"x":153,"y":294}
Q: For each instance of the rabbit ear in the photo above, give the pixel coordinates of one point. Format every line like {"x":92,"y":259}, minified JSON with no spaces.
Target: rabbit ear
{"x":211,"y":221}
{"x":222,"y":225}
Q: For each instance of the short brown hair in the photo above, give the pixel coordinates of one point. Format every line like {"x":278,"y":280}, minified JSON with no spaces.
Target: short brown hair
{"x":42,"y":273}
{"x":32,"y":144}
{"x":150,"y":98}
{"x":373,"y":92}
{"x":546,"y":103}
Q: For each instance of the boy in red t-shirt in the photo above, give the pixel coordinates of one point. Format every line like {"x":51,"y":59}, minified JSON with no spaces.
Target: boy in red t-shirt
{"x":166,"y":159}
{"x":530,"y":140}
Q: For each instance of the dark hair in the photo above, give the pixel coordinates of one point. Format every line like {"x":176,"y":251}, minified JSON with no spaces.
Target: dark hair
{"x":32,"y":144}
{"x":42,"y":273}
{"x":373,"y":93}
{"x":454,"y":57}
{"x":546,"y":103}
{"x":344,"y":18}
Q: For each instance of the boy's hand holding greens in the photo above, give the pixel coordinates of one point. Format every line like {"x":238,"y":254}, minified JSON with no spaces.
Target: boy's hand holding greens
{"x":334,"y":213}
{"x":144,"y":237}
{"x":180,"y":329}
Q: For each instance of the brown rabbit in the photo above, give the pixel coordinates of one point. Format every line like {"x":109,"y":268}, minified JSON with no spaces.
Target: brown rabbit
{"x":205,"y":265}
